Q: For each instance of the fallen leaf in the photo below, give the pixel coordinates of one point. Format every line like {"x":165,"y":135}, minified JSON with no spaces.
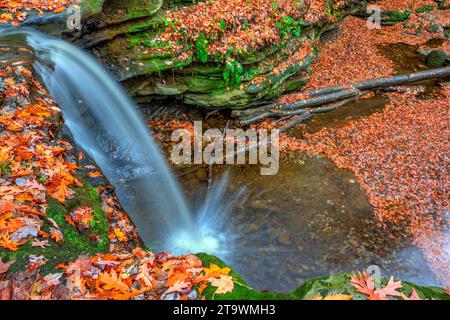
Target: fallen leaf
{"x":224,"y":284}
{"x":112,"y":281}
{"x":4,"y":266}
{"x":339,"y":297}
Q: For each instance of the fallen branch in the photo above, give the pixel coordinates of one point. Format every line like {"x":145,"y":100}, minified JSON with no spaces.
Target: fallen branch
{"x":295,"y":121}
{"x":297,"y":108}
{"x":386,"y":81}
{"x":307,"y":114}
{"x":318,"y":101}
{"x":331,"y":94}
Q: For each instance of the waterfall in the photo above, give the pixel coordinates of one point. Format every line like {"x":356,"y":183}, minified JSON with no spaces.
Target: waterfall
{"x":106,"y":124}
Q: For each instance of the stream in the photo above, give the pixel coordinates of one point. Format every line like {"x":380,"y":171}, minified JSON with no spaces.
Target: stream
{"x":310,"y":220}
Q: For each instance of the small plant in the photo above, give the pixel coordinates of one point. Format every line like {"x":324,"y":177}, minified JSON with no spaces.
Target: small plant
{"x":396,"y":16}
{"x":328,"y":9}
{"x":222,"y":25}
{"x":170,"y":23}
{"x":201,"y":48}
{"x":425,"y":8}
{"x":289,"y":25}
{"x":232,"y":73}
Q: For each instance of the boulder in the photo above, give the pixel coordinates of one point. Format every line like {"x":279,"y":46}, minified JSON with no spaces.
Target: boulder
{"x":438,"y":59}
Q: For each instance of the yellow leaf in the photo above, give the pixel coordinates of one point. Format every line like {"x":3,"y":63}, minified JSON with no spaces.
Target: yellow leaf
{"x":215,"y":269}
{"x":224,"y":284}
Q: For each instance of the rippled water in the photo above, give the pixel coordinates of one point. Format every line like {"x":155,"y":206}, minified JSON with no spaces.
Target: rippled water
{"x":310,"y":220}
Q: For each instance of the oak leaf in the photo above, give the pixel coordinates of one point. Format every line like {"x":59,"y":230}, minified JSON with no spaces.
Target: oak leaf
{"x":112,"y":281}
{"x":364,"y":284}
{"x":389,"y":290}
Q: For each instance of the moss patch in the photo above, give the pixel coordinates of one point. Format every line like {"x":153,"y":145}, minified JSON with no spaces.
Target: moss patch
{"x":75,"y":242}
{"x":242,"y":290}
{"x":324,"y":286}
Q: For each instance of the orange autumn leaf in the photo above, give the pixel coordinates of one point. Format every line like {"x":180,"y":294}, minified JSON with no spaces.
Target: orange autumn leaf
{"x":112,"y":281}
{"x":57,"y":236}
{"x":6,"y":243}
{"x":95,"y":174}
{"x":60,"y":192}
{"x":214,"y":269}
{"x":364,"y":284}
{"x":202,"y":287}
{"x":179,"y":276}
{"x":59,"y":10}
{"x":333,"y":297}
{"x":120,"y":235}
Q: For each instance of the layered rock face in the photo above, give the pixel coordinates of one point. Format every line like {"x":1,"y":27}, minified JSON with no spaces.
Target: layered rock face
{"x":213,"y":54}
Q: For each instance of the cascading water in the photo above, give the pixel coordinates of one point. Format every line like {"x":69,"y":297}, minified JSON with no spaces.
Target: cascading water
{"x":106,"y":124}
{"x":257,"y":243}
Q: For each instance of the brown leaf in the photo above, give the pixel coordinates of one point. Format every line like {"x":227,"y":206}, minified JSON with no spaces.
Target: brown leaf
{"x":4,"y":266}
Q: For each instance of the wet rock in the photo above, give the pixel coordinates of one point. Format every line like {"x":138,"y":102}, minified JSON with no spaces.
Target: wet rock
{"x":127,"y":33}
{"x":438,"y":58}
{"x":434,"y":28}
{"x":284,"y":239}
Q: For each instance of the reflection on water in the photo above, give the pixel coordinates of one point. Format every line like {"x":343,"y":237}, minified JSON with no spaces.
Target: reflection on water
{"x":349,"y":112}
{"x":309,"y":220}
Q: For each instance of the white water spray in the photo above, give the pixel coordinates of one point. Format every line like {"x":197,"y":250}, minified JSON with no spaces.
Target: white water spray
{"x":105,"y":122}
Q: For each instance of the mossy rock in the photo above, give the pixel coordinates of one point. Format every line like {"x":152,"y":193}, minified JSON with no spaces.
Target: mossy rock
{"x":324,"y":286}
{"x":128,"y":46}
{"x":438,"y":59}
{"x":122,"y":34}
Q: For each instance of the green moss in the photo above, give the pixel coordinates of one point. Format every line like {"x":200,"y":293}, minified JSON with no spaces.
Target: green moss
{"x":242,"y":290}
{"x":397,"y":16}
{"x":143,"y":8}
{"x":324,"y":286}
{"x":201,"y":84}
{"x":154,"y":23}
{"x":437,"y":58}
{"x":75,"y":242}
{"x":91,"y":7}
{"x":425,"y":8}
